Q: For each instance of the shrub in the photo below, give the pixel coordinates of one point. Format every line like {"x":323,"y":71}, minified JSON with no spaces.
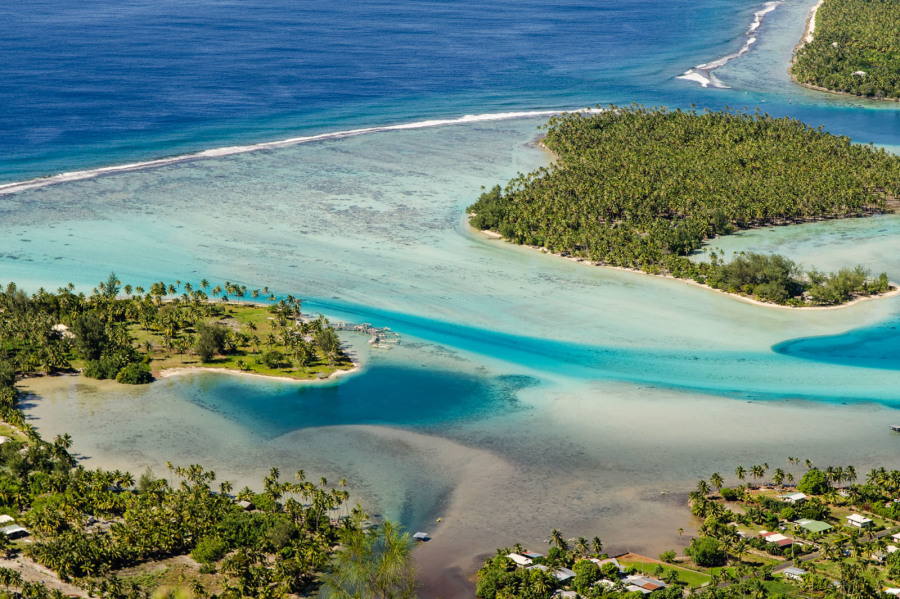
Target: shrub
{"x":209,"y":550}
{"x":135,"y":373}
{"x":707,"y":552}
{"x":667,"y":556}
{"x":729,"y":494}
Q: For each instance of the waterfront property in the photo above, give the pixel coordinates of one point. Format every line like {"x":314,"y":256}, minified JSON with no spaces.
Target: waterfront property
{"x":14,"y":531}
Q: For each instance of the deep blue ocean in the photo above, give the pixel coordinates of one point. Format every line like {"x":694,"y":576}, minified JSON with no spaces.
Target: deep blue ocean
{"x":96,"y":83}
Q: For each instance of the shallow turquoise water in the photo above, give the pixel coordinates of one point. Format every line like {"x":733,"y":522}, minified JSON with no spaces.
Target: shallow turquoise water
{"x":581,"y":389}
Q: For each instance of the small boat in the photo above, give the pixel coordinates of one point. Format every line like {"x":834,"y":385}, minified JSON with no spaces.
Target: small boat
{"x":895,"y":428}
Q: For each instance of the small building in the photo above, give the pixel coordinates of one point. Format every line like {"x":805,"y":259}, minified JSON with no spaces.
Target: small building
{"x":246,"y":505}
{"x":794,"y":498}
{"x":567,"y":594}
{"x":896,"y":536}
{"x":610,"y":560}
{"x":4,"y":519}
{"x":892,"y":549}
{"x":858,"y":521}
{"x":14,"y":531}
{"x":532,"y":554}
{"x":892,"y":591}
{"x":519,"y":559}
{"x":540,"y":567}
{"x":794,"y":573}
{"x":421,"y":536}
{"x":563,"y":574}
{"x":644,"y":584}
{"x":814,"y":526}
{"x":777,"y":538}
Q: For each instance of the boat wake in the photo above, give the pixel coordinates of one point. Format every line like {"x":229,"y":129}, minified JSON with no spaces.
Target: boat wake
{"x":10,"y":188}
{"x":703,"y":74}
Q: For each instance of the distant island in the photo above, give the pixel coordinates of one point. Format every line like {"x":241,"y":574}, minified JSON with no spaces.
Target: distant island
{"x":853,"y":48}
{"x":127,"y":333}
{"x":643,"y":188}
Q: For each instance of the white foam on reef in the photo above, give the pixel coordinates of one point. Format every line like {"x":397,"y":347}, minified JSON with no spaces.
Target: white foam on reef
{"x":9,"y":188}
{"x":703,"y":74}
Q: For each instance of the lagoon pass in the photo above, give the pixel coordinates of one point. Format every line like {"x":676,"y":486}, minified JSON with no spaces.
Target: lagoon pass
{"x":338,"y":148}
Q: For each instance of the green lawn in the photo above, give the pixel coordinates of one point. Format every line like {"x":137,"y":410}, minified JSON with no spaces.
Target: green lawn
{"x":692,"y":577}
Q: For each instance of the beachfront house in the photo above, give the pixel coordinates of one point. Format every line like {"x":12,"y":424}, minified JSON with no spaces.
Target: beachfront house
{"x":794,"y":573}
{"x":644,"y":584}
{"x":421,"y":536}
{"x":532,"y":554}
{"x":563,"y":574}
{"x":520,"y":560}
{"x":858,"y":521}
{"x":814,"y":526}
{"x":892,"y":591}
{"x":14,"y":531}
{"x":540,"y":567}
{"x":795,"y":498}
{"x":610,"y":560}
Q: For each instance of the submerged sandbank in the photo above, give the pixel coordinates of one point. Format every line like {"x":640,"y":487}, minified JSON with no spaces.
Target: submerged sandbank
{"x":580,"y":456}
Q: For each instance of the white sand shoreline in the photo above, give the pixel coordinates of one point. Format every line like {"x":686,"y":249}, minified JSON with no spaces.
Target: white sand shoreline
{"x":743,"y":298}
{"x":184,"y":370}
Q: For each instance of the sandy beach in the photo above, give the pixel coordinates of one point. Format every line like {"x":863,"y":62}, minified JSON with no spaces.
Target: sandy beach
{"x":170,"y":372}
{"x":895,"y":291}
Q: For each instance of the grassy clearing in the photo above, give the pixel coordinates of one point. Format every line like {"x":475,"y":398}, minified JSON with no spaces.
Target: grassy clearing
{"x":691,"y":577}
{"x":255,"y":331}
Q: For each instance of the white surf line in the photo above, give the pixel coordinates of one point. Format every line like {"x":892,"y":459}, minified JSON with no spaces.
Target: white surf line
{"x":10,"y":188}
{"x":703,"y":74}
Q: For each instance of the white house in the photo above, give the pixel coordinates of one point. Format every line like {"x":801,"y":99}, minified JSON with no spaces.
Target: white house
{"x":858,"y":521}
{"x":519,"y":559}
{"x":794,"y":498}
{"x":794,"y":573}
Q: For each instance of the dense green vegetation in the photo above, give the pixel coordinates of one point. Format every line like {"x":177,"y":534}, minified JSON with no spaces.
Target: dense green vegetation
{"x":89,"y":525}
{"x":643,"y":188}
{"x":855,"y":49}
{"x":118,"y":332}
{"x":730,"y":558}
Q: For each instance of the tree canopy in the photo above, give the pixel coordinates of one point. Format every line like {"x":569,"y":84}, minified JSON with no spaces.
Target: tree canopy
{"x":643,"y":188}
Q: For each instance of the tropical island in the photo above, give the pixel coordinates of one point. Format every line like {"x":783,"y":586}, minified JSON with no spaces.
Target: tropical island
{"x":642,"y":189}
{"x":66,"y":530}
{"x":855,"y":49}
{"x":786,"y":535}
{"x":126,"y":333}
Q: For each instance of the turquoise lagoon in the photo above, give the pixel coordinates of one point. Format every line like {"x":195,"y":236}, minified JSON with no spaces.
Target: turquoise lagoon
{"x":529,"y":392}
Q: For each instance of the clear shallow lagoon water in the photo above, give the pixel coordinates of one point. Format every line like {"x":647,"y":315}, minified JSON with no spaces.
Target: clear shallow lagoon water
{"x":520,"y":375}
